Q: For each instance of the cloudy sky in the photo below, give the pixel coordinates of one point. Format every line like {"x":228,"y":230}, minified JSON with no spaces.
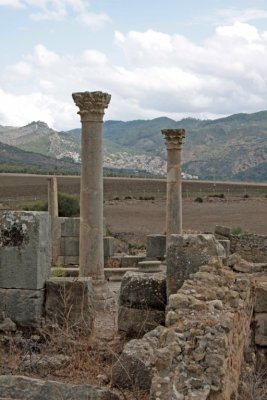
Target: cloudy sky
{"x":175,"y":58}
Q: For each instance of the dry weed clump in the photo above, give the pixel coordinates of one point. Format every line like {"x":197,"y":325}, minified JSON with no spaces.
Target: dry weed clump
{"x":253,"y":384}
{"x":66,"y":356}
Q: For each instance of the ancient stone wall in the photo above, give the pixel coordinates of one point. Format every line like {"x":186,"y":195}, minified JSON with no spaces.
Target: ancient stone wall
{"x":25,"y":261}
{"x":198,"y":355}
{"x":250,"y":246}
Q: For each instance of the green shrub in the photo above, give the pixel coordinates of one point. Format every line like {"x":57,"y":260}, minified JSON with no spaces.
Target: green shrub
{"x":198,"y":200}
{"x":236,"y":230}
{"x":37,"y":206}
{"x":127,"y":197}
{"x":68,"y":205}
{"x":246,"y":196}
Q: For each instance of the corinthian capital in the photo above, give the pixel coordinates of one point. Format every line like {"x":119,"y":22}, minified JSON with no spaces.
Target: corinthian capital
{"x":91,"y":104}
{"x":173,"y":138}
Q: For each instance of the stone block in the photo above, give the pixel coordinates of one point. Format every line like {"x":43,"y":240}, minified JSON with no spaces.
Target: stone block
{"x":22,"y":387}
{"x":108,"y":246}
{"x":69,"y":302}
{"x":25,"y":249}
{"x":136,"y":322}
{"x":261,"y":297}
{"x":134,"y":369}
{"x":24,"y":307}
{"x":131,"y":261}
{"x":185,"y":254}
{"x":70,"y":227}
{"x":143,"y":291}
{"x":68,"y":260}
{"x":226,"y":246}
{"x":261,"y":329}
{"x":222,"y":230}
{"x":155,"y":246}
{"x":69,"y":246}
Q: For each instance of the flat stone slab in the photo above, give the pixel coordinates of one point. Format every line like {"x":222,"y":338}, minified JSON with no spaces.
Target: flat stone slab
{"x":22,"y":306}
{"x":24,"y":388}
{"x":156,"y":246}
{"x":25,"y":249}
{"x":261,"y":329}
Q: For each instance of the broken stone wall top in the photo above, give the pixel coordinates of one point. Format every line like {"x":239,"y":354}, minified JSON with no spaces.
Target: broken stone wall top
{"x":25,"y":249}
{"x":186,"y":253}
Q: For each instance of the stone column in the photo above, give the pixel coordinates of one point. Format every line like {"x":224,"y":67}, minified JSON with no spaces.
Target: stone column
{"x":91,"y":109}
{"x":52,"y":196}
{"x":173,"y":140}
{"x":53,"y":211}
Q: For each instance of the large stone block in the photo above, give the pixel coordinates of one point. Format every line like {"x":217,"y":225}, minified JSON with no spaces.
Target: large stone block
{"x":143,"y":291}
{"x":261,"y":329}
{"x":131,"y":261}
{"x":69,"y":302}
{"x":25,"y":249}
{"x":135,"y":322}
{"x":25,"y":388}
{"x":69,"y":246}
{"x":156,"y":246}
{"x":261,"y":297}
{"x":24,"y":307}
{"x":222,"y":230}
{"x":185,"y":254}
{"x":70,"y":226}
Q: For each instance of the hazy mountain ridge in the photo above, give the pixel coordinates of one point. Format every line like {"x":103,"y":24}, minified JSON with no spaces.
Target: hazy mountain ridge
{"x":234,"y":147}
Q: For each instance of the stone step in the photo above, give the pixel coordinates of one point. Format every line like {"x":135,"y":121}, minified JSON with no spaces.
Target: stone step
{"x":111,"y":274}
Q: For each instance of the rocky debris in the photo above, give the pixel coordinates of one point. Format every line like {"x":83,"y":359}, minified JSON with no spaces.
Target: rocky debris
{"x":238,"y":264}
{"x":186,"y":253}
{"x":134,"y":369}
{"x":38,"y":362}
{"x":8,"y":326}
{"x":198,"y":354}
{"x":24,"y":388}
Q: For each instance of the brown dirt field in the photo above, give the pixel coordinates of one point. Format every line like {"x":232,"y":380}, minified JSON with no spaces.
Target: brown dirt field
{"x":135,"y":219}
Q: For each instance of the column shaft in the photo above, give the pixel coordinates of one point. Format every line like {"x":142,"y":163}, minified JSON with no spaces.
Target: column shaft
{"x":52,"y":196}
{"x":173,"y":140}
{"x":91,"y":202}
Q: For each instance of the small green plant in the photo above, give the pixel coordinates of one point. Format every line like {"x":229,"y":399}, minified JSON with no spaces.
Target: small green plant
{"x":246,"y":196}
{"x":218,"y":196}
{"x":236,"y":230}
{"x":127,"y":197}
{"x":57,"y":272}
{"x":198,"y":200}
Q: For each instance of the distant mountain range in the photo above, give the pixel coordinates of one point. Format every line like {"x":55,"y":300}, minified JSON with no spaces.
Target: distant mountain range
{"x":232,"y":148}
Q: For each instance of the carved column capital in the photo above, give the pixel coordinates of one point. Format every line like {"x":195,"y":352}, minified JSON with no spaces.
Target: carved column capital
{"x":91,"y":105}
{"x":173,"y":138}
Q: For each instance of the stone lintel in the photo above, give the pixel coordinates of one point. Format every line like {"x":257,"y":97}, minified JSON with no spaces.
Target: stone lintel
{"x":174,"y":138}
{"x":91,"y":105}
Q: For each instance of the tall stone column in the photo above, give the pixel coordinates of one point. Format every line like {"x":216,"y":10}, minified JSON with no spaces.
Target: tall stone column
{"x":91,"y":109}
{"x":53,"y":212}
{"x":174,"y":140}
{"x":52,"y":196}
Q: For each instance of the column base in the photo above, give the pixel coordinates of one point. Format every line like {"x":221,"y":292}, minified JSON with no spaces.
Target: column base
{"x":104,"y":298}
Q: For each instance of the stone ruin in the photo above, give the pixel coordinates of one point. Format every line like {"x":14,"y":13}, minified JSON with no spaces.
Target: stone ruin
{"x":193,"y":310}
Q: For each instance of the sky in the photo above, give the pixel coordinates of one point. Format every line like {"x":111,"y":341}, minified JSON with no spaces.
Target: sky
{"x":174,"y":58}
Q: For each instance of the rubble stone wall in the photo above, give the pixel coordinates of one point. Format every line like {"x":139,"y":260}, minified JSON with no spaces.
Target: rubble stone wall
{"x":251,"y":247}
{"x":198,"y":355}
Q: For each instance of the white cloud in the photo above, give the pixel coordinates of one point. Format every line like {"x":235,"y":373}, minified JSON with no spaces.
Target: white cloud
{"x":162,"y":75}
{"x":58,"y":10}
